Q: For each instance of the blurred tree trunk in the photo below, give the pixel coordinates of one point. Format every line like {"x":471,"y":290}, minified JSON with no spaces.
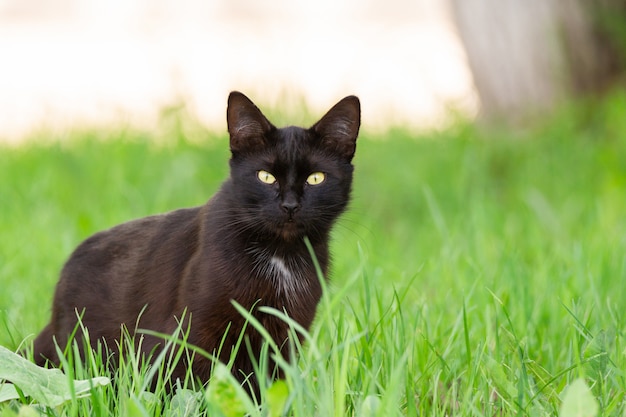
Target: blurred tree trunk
{"x":527,"y":56}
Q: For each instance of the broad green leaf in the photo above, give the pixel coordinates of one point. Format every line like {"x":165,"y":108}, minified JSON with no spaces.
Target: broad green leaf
{"x":49,"y":387}
{"x":578,"y":401}
{"x":8,"y":392}
{"x":277,"y":396}
{"x":184,"y":403}
{"x":226,"y":395}
{"x":148,"y":398}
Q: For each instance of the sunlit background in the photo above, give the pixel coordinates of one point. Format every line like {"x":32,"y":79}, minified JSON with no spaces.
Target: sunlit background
{"x":415,"y":63}
{"x":74,"y":62}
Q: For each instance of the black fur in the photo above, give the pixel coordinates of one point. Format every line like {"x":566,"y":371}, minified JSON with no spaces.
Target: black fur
{"x":245,"y":244}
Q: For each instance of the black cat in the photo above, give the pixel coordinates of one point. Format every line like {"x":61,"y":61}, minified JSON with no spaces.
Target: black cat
{"x":245,"y":244}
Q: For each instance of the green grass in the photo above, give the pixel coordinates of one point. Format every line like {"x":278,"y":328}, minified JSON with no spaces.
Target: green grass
{"x":476,"y":273}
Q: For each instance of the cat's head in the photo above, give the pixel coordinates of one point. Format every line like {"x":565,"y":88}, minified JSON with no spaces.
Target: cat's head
{"x":291,"y":182}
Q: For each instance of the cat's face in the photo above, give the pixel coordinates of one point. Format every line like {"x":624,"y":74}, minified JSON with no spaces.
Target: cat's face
{"x":292,"y":182}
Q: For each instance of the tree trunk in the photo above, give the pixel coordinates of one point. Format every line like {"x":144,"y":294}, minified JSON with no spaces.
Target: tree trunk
{"x":527,"y":56}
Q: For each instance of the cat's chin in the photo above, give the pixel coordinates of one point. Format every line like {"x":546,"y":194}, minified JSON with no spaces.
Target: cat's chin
{"x":290,"y":231}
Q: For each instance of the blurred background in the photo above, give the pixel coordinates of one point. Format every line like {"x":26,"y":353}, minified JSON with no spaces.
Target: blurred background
{"x":414,"y":63}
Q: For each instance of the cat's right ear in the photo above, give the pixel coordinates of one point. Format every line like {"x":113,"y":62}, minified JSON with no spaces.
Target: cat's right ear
{"x":246,"y":124}
{"x":339,"y":127}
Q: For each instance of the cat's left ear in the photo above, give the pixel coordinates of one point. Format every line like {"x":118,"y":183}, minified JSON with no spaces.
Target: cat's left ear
{"x":247,"y":126}
{"x":339,"y":128}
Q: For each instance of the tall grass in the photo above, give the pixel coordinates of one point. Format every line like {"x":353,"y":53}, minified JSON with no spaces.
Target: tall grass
{"x":476,"y":273}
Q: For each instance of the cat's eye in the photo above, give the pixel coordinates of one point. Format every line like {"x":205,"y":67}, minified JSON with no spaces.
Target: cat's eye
{"x":265,"y":177}
{"x":316,"y":178}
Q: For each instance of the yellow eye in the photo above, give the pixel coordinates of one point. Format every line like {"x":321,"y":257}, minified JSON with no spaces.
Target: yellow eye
{"x":266,"y":177}
{"x":316,"y":178}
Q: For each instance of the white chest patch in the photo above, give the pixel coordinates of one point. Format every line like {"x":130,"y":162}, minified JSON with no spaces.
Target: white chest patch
{"x":284,"y":274}
{"x":279,"y":268}
{"x":285,"y":279}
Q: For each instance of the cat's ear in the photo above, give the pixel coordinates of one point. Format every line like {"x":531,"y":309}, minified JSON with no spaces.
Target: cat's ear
{"x":246,"y":124}
{"x":339,"y":128}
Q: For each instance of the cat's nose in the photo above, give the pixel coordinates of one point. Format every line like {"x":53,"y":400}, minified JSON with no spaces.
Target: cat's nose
{"x":290,"y":207}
